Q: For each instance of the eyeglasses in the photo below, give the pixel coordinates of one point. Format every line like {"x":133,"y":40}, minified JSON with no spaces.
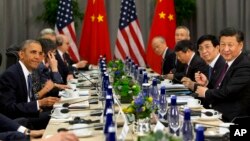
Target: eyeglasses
{"x":201,"y":49}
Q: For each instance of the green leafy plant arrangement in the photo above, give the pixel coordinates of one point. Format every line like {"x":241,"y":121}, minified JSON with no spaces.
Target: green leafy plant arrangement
{"x":185,"y":10}
{"x":117,"y":69}
{"x":115,"y":65}
{"x":159,"y":136}
{"x":126,"y":87}
{"x":141,"y":107}
{"x":50,"y":11}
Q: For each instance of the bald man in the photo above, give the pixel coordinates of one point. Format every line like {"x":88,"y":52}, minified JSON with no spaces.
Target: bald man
{"x":168,"y":57}
{"x":66,"y":65}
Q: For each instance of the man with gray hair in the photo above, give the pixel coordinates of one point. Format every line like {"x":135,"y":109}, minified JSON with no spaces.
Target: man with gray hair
{"x":48,"y":33}
{"x":168,"y":57}
{"x":182,"y":33}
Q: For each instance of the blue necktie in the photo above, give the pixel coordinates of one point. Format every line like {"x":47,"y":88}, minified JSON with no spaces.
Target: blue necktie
{"x":30,"y":93}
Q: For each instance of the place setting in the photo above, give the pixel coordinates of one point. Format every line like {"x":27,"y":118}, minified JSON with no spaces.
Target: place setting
{"x":194,"y":104}
{"x":209,"y":115}
{"x":58,"y":114}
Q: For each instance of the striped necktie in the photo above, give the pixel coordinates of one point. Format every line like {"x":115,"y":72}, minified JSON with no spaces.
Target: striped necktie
{"x":30,"y":92}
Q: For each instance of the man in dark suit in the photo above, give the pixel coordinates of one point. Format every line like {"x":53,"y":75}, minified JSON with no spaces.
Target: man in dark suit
{"x":185,"y":54}
{"x":230,"y":96}
{"x":66,"y":65}
{"x":168,"y":57}
{"x":181,"y":33}
{"x":208,"y":47}
{"x":10,"y":130}
{"x":16,"y":97}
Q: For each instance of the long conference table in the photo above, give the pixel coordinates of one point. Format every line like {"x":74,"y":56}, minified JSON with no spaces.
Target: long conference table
{"x":91,"y":134}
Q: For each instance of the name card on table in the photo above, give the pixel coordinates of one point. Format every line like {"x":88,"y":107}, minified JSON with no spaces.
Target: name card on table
{"x":124,"y":132}
{"x":125,"y":128}
{"x":159,"y":126}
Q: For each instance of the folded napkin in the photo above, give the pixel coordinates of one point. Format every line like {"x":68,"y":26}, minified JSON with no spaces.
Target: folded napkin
{"x":214,"y":122}
{"x":83,"y":92}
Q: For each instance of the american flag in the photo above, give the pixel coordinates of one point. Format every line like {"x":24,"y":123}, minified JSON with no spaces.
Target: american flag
{"x":129,"y":40}
{"x":65,"y":25}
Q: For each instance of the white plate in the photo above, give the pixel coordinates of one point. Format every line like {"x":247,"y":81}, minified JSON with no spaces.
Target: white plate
{"x":194,"y":106}
{"x":87,"y":132}
{"x":208,"y":118}
{"x":61,"y":116}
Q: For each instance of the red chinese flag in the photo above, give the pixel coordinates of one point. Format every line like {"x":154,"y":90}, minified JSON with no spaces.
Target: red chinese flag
{"x":95,"y":36}
{"x":164,"y":24}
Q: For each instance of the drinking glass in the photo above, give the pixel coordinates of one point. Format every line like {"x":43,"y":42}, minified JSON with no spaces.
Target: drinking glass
{"x":174,"y":119}
{"x":162,"y":106}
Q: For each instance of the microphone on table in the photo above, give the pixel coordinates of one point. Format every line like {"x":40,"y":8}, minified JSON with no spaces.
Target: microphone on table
{"x":207,"y":113}
{"x":68,"y":104}
{"x":66,"y":110}
{"x":77,"y":120}
{"x":93,"y":84}
{"x":96,"y":126}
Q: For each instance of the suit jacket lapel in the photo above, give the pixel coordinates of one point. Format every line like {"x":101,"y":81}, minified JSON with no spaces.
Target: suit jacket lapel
{"x":231,"y":68}
{"x":22,"y":78}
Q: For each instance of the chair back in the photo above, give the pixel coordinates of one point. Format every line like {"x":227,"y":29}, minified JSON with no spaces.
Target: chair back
{"x":12,"y":55}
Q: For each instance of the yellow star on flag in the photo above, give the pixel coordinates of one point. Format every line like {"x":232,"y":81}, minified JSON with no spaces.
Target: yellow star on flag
{"x":171,"y":17}
{"x":160,"y":0}
{"x":100,"y":18}
{"x":162,"y":15}
{"x":93,"y":1}
{"x":93,"y":18}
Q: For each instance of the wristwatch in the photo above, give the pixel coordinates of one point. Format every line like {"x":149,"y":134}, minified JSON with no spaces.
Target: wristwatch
{"x":36,"y":96}
{"x":27,"y":132}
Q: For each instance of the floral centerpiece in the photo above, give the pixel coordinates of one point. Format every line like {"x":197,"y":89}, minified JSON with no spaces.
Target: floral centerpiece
{"x":141,"y":107}
{"x":116,"y":68}
{"x":126,"y":88}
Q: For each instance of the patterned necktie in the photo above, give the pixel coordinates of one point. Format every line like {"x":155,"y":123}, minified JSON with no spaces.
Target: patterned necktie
{"x":65,"y":59}
{"x":186,"y":70}
{"x":210,"y":69}
{"x":222,"y":75}
{"x":30,"y":92}
{"x":36,"y":81}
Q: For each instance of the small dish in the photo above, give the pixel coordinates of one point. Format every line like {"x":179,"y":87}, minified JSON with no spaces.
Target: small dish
{"x":81,"y":130}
